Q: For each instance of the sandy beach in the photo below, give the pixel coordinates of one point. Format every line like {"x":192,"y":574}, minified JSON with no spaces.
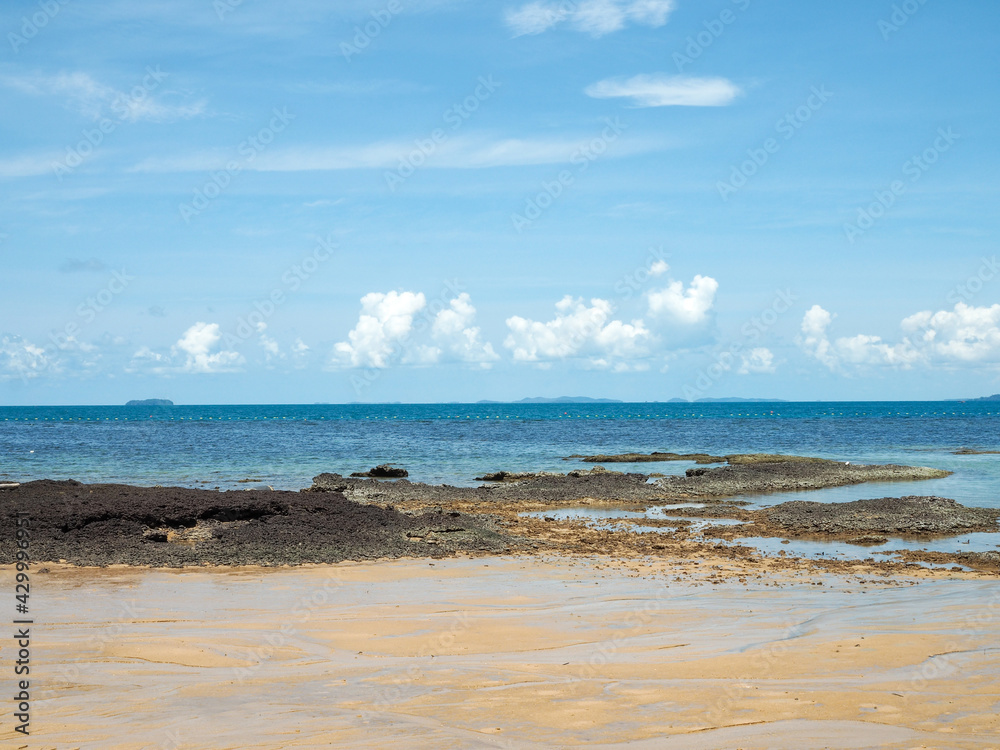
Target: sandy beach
{"x":505,"y":652}
{"x":361,"y":613}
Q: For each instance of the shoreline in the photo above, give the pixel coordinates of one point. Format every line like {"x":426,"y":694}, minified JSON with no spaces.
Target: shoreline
{"x":359,"y":518}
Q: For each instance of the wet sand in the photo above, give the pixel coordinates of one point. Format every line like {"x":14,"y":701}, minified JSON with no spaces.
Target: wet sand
{"x":502,"y":652}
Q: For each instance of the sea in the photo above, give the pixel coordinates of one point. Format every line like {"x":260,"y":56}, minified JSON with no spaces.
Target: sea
{"x":285,"y":446}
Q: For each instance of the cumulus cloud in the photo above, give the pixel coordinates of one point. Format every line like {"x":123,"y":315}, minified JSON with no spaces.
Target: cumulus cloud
{"x":689,"y":306}
{"x":595,"y":17}
{"x":386,"y":321}
{"x":871,"y":350}
{"x":814,"y":339}
{"x":197,"y":346}
{"x":662,"y":90}
{"x":21,"y":359}
{"x":578,"y":330}
{"x":758,"y":360}
{"x":965,"y":334}
{"x":454,"y":333}
{"x":860,"y":350}
{"x":68,"y":356}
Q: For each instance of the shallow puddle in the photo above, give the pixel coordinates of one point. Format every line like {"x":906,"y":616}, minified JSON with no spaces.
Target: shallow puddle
{"x":978,"y":542}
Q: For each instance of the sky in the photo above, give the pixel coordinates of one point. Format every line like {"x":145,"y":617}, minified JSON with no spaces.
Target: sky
{"x":233,"y":201}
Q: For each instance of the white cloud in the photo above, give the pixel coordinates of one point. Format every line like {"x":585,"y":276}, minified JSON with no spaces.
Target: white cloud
{"x":197,"y":345}
{"x":689,"y":306}
{"x":870,"y":350}
{"x":147,"y":359}
{"x":595,"y":17}
{"x":650,"y":12}
{"x":20,"y":359}
{"x":272,"y":351}
{"x":965,"y":334}
{"x":599,"y":17}
{"x":814,"y":340}
{"x":759,"y":360}
{"x":577,"y":330}
{"x":658,"y":268}
{"x":534,"y":18}
{"x":386,"y":320}
{"x":300,"y":353}
{"x":861,"y":350}
{"x":662,"y":90}
{"x":453,"y":330}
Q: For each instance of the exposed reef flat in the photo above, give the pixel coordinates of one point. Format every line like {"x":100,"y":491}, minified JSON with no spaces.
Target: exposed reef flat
{"x":698,"y":458}
{"x":635,"y":458}
{"x":867,"y":521}
{"x":354,"y":518}
{"x":746,"y":474}
{"x":510,"y":496}
{"x":505,"y":488}
{"x":910,"y":516}
{"x":761,"y":474}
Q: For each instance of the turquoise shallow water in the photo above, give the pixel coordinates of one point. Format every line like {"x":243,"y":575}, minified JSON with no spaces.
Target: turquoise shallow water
{"x":285,"y":446}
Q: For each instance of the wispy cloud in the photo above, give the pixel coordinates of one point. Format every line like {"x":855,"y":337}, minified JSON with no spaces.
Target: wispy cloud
{"x":27,"y":166}
{"x":661,"y":90}
{"x":78,"y":265}
{"x":594,"y":17}
{"x":358,"y":88}
{"x":323,"y":203}
{"x":466,"y":152}
{"x":95,"y":100}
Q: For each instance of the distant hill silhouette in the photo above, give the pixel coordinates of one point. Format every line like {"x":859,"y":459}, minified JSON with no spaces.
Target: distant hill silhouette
{"x":730,"y":400}
{"x":559,"y":400}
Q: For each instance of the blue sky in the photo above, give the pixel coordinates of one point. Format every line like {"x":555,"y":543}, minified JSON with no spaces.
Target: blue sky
{"x":441,"y":200}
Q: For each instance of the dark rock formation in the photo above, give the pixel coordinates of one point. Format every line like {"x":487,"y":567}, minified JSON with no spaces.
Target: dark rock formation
{"x":106,"y":524}
{"x":383,"y":471}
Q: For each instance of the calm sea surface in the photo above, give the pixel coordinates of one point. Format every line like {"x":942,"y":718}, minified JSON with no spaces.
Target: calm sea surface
{"x":285,"y":446}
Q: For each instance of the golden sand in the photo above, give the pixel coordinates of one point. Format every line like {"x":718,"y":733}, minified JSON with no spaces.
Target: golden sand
{"x":506,"y":653}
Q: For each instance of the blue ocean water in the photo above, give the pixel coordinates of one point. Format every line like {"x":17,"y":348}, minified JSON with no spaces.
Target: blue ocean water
{"x":285,"y":446}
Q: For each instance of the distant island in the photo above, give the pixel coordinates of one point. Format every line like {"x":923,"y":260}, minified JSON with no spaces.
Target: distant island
{"x":730,"y":400}
{"x":588,"y":400}
{"x":994,"y":397}
{"x":150,"y":402}
{"x":558,"y":400}
{"x":569,"y":400}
